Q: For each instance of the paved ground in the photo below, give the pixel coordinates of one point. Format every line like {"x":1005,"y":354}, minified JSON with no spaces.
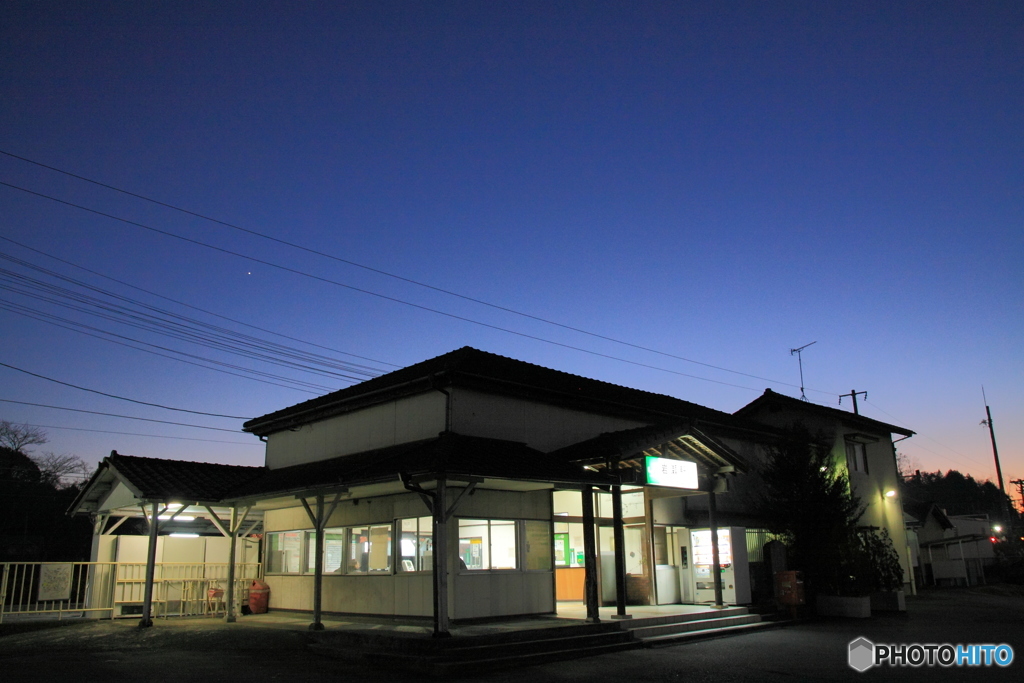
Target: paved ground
{"x":196,"y":650}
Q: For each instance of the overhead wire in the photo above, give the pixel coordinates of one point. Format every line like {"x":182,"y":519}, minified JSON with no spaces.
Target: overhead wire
{"x":126,"y":417}
{"x":154,"y":436}
{"x":903,"y":423}
{"x":74,"y":327}
{"x":319,"y":278}
{"x":162,"y":321}
{"x":120,"y":398}
{"x":188,"y":305}
{"x":397,"y":277}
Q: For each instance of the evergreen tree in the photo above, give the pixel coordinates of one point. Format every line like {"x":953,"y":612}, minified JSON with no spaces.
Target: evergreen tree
{"x":807,"y":501}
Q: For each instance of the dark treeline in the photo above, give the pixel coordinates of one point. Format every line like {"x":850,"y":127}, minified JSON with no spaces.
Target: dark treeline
{"x":958,"y":494}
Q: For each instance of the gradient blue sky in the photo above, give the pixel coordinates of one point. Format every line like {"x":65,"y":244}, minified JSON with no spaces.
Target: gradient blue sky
{"x":720,"y":181}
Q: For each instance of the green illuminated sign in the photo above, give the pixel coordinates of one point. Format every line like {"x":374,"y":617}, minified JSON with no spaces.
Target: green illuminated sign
{"x":678,"y":474}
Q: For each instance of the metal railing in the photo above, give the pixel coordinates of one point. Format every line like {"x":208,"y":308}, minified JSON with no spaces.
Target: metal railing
{"x":107,"y":590}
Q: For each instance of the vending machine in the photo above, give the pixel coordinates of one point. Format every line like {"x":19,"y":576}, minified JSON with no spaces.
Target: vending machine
{"x":732,"y":565}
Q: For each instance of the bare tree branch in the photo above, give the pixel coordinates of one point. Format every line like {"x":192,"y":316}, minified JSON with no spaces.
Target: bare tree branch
{"x":19,"y":437}
{"x":61,"y":471}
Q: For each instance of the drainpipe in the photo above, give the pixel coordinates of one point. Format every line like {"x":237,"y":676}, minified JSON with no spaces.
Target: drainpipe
{"x":447,"y":404}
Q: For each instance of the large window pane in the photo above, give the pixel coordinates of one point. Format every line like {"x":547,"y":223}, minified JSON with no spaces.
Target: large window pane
{"x":284,"y":550}
{"x":416,"y":545}
{"x":538,"y":545}
{"x":368,"y":549}
{"x":487,"y":544}
{"x":503,"y":544}
{"x":334,"y":540}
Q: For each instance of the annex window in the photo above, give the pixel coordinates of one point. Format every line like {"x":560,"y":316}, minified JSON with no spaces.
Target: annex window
{"x":537,"y":536}
{"x":368,"y":549}
{"x":416,"y":544}
{"x":856,"y":456}
{"x":487,"y":544}
{"x":284,"y":550}
{"x":334,"y":550}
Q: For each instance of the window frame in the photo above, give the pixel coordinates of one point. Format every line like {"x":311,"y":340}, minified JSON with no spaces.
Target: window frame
{"x":857,"y":456}
{"x":307,"y":549}
{"x":425,"y":567}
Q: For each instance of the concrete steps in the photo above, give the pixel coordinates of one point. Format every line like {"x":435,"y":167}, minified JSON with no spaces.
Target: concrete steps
{"x":466,"y":655}
{"x":678,"y":628}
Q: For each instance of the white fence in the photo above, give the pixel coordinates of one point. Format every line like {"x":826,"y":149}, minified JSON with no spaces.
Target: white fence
{"x":108,"y":590}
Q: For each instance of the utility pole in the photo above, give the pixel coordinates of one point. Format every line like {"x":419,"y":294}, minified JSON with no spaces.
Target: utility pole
{"x":992,"y":434}
{"x":800,"y":360}
{"x":853,"y":394}
{"x":995,"y":452}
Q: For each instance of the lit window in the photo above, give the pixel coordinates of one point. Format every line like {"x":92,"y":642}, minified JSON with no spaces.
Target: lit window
{"x":284,"y":549}
{"x":416,"y":545}
{"x":368,"y":549}
{"x":856,"y":457}
{"x":487,"y":544}
{"x":538,"y":545}
{"x":334,"y":547}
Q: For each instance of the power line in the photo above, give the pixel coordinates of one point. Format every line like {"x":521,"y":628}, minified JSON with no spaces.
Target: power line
{"x":195,"y":308}
{"x":73,"y":326}
{"x":121,"y":398}
{"x":168,"y":323}
{"x":935,"y":441}
{"x":126,"y":417}
{"x":453,"y":316}
{"x":394,"y":276}
{"x":154,"y":436}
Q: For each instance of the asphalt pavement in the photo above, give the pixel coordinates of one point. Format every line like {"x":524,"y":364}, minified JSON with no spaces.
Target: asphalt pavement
{"x":199,"y":650}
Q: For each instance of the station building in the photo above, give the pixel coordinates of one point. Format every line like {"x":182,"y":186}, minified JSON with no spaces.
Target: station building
{"x":475,"y":486}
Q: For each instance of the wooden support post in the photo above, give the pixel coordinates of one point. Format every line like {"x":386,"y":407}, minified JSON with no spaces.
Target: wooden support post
{"x":229,"y":592}
{"x":589,"y":556}
{"x":98,"y":526}
{"x":147,"y":600}
{"x":318,"y":566}
{"x":716,"y":571}
{"x":440,"y":560}
{"x":619,"y":532}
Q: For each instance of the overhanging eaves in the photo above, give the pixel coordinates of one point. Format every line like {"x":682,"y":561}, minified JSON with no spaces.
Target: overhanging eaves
{"x":683,"y":441}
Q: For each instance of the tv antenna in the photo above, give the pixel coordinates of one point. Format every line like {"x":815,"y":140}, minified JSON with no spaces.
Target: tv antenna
{"x":800,"y":360}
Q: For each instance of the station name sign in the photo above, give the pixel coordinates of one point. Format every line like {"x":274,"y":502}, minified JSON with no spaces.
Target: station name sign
{"x":679,"y":474}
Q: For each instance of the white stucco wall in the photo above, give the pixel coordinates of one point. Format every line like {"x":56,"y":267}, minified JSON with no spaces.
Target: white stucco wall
{"x":407,"y":419}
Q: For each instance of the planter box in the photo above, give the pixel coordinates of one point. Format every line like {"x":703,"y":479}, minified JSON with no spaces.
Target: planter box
{"x":889,"y":601}
{"x":841,"y":606}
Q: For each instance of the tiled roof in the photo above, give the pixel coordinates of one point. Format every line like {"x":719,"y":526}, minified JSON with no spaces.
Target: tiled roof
{"x":181,"y":480}
{"x":448,"y":454}
{"x":770,"y":399}
{"x":469,"y":366}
